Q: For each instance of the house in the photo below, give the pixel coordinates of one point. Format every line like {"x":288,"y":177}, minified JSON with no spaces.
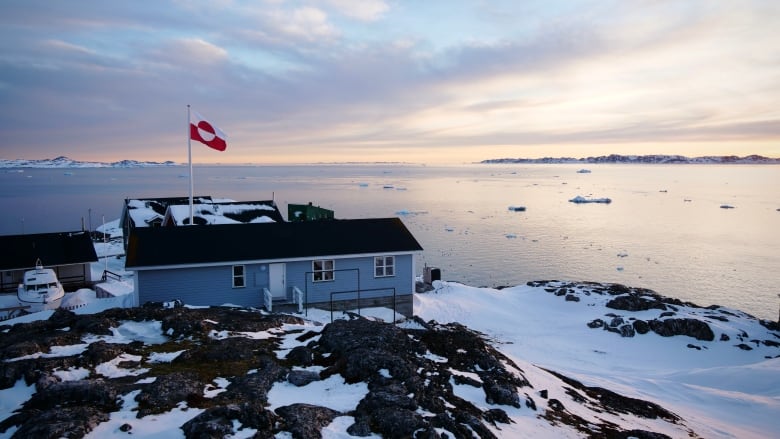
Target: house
{"x":336,"y":263}
{"x":69,"y":254}
{"x":173,"y":211}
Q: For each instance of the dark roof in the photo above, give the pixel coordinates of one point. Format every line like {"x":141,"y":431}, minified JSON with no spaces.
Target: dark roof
{"x":53,"y":249}
{"x":224,"y":243}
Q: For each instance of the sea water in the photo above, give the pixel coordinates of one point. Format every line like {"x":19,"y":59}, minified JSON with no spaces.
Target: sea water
{"x":664,"y":230}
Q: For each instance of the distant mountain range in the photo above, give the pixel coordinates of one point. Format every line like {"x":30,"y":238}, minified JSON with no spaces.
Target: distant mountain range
{"x":65,"y":162}
{"x":648,"y":159}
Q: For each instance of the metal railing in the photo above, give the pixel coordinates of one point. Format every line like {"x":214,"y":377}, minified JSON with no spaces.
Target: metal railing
{"x":358,"y":297}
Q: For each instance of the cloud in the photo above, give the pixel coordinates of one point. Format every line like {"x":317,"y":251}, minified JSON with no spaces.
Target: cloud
{"x":191,"y":51}
{"x":363,"y":10}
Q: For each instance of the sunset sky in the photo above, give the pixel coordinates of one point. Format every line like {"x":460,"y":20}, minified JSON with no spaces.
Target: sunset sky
{"x":387,"y":80}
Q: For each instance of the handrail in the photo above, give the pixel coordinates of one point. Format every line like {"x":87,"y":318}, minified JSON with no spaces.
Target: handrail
{"x":298,"y":298}
{"x":110,"y":274}
{"x":268,"y":299}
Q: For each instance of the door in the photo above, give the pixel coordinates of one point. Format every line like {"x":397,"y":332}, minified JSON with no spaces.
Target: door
{"x":276,"y":281}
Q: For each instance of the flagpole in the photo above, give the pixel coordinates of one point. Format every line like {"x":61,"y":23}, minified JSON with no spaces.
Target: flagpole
{"x":189,"y":157}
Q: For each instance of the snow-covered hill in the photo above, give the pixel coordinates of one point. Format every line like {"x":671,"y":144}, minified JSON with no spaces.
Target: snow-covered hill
{"x":65,"y":162}
{"x":647,"y":159}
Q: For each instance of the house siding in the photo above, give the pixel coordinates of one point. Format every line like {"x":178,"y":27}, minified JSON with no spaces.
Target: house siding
{"x":345,"y":285}
{"x":203,"y":286}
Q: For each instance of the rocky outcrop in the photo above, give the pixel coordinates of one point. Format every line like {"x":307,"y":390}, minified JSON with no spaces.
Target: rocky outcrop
{"x":411,"y":376}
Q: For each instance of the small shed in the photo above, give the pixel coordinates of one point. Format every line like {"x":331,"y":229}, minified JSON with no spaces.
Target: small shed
{"x":69,"y":254}
{"x":307,"y":212}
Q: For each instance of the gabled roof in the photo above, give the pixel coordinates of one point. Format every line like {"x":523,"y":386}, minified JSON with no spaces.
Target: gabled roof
{"x":144,"y":211}
{"x":224,"y":243}
{"x":224,"y":212}
{"x":53,"y":249}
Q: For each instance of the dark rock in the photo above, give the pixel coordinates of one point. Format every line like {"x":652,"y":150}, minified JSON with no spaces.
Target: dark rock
{"x":643,"y":434}
{"x":717,"y":317}
{"x":301,"y":356}
{"x":693,"y":346}
{"x":724,"y":337}
{"x":691,"y":327}
{"x":125,"y":428}
{"x":255,"y":386}
{"x":598,"y":323}
{"x":460,"y":379}
{"x":627,"y":330}
{"x":666,"y":314}
{"x":62,"y":318}
{"x":572,"y":298}
{"x":634,"y":303}
{"x":395,"y":422}
{"x":500,"y":392}
{"x":301,"y":378}
{"x":305,"y":421}
{"x":167,"y":391}
{"x":21,"y":349}
{"x":101,"y":352}
{"x":561,"y":292}
{"x":360,"y":429}
{"x":616,"y":321}
{"x":555,"y":405}
{"x":543,"y":393}
{"x":98,"y":394}
{"x":380,"y":400}
{"x":67,"y":422}
{"x":217,"y":422}
{"x":530,"y":403}
{"x":641,"y":326}
{"x":744,"y":347}
{"x":771,"y":343}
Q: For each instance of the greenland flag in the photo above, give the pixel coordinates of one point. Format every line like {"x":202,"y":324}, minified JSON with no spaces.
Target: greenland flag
{"x":206,"y":133}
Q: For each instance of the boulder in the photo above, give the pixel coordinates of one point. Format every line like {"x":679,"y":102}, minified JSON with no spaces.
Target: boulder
{"x":167,"y":391}
{"x":632,"y":302}
{"x":691,"y":327}
{"x":305,"y":421}
{"x":301,"y":378}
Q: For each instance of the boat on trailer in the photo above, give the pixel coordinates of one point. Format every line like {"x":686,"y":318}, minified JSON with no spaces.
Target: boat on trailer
{"x":40,"y":289}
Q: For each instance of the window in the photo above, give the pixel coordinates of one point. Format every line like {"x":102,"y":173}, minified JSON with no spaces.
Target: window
{"x":384,"y":266}
{"x":323,"y":270}
{"x":238,"y":276}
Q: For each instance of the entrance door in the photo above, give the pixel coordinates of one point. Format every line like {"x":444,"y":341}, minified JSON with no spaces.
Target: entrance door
{"x":276,"y":281}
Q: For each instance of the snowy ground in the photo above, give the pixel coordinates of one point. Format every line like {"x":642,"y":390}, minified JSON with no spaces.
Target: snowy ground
{"x":719,"y":390}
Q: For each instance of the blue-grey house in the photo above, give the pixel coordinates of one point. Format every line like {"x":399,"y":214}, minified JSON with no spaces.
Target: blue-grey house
{"x":332,"y":264}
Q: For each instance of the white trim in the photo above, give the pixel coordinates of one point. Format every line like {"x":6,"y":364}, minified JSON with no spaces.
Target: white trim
{"x":233,"y":276}
{"x":267,"y":261}
{"x":384,"y":267}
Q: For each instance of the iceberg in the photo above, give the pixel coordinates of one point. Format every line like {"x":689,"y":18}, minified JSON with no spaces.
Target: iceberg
{"x":579,"y":199}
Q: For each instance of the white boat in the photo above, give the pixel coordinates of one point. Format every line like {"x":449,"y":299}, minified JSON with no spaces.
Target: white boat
{"x":40,"y":289}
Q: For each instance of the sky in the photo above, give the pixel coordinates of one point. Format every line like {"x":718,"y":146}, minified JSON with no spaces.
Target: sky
{"x":388,"y":80}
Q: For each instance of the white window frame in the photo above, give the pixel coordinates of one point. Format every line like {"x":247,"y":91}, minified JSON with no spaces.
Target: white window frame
{"x":241,"y":276}
{"x":381,"y":266}
{"x":323,"y":274}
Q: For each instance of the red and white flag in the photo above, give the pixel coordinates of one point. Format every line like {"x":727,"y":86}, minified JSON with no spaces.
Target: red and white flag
{"x":206,"y":133}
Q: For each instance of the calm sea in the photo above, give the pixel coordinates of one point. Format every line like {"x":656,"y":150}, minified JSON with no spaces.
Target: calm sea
{"x":664,"y":229}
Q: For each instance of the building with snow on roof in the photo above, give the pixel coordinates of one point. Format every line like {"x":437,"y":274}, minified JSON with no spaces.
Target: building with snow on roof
{"x":245,"y":254}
